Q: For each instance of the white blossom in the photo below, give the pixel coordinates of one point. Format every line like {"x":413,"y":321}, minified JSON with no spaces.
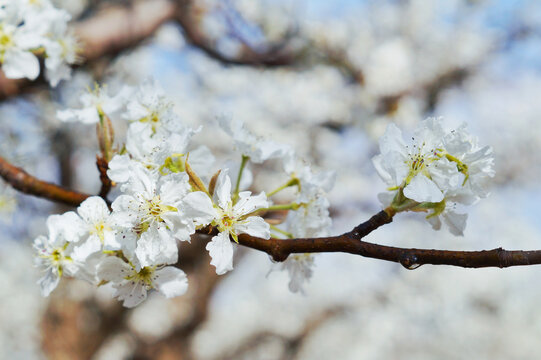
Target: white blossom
{"x":440,"y":170}
{"x":150,"y":207}
{"x":300,"y":270}
{"x":95,"y":103}
{"x":230,"y":219}
{"x":132,"y":284}
{"x":53,"y":253}
{"x":151,"y":111}
{"x":19,"y":37}
{"x":95,"y":227}
{"x":256,"y":148}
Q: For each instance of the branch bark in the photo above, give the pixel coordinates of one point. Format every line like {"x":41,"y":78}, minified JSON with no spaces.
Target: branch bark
{"x":351,"y":243}
{"x":28,"y":184}
{"x":106,"y":183}
{"x":279,"y":249}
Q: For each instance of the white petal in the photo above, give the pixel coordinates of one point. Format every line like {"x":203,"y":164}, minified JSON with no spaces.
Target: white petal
{"x":456,"y":222}
{"x":254,"y":226}
{"x":110,"y":241}
{"x":132,"y":292}
{"x":123,"y":203}
{"x":179,"y":226}
{"x":198,"y":208}
{"x":119,"y":168}
{"x":435,"y":222}
{"x":422,"y":189}
{"x":222,"y":190}
{"x":94,"y":209}
{"x":221,"y":252}
{"x":174,"y":188}
{"x":247,"y":204}
{"x":170,"y":281}
{"x":113,"y":269}
{"x":379,"y":165}
{"x":392,"y":140}
{"x":156,"y":247}
{"x":20,"y":64}
{"x":49,"y":282}
{"x":65,"y":227}
{"x":87,"y":247}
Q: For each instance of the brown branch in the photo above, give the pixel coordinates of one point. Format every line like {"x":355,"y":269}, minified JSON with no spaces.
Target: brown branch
{"x":28,"y":184}
{"x":106,"y":183}
{"x":350,"y":242}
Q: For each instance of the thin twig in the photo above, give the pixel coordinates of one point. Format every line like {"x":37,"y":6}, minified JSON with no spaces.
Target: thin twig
{"x":106,"y":183}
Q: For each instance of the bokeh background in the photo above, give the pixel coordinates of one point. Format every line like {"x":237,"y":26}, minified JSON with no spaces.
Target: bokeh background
{"x":325,"y":77}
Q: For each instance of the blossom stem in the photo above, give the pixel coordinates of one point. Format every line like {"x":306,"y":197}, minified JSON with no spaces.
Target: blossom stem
{"x":239,"y":177}
{"x":292,"y":206}
{"x":291,"y":182}
{"x":283,"y":232}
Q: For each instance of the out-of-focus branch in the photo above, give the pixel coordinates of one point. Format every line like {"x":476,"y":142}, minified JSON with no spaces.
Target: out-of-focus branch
{"x":203,"y":280}
{"x":110,"y":31}
{"x":28,"y":184}
{"x":292,"y":345}
{"x":118,"y":28}
{"x":75,"y":329}
{"x":274,"y":56}
{"x":350,"y":242}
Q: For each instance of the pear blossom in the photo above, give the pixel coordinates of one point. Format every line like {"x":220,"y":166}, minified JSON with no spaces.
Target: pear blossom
{"x":412,"y":167}
{"x":441,"y":169}
{"x":95,"y":227}
{"x":150,"y":207}
{"x":308,"y":182}
{"x":28,"y":28}
{"x":132,"y":284}
{"x":456,"y":222}
{"x":151,"y":111}
{"x":254,"y":147}
{"x":165,"y":154}
{"x":300,"y":270}
{"x":62,"y":51}
{"x":475,"y":162}
{"x":95,"y":104}
{"x":230,"y":219}
{"x":54,"y":253}
{"x":18,"y":37}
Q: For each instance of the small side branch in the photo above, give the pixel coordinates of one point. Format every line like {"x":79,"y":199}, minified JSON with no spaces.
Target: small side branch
{"x":28,"y":184}
{"x":106,"y":183}
{"x":276,"y":55}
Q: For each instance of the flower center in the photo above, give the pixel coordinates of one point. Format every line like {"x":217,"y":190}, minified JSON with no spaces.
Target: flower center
{"x":144,"y":275}
{"x":98,"y":229}
{"x":6,"y":41}
{"x":153,"y":210}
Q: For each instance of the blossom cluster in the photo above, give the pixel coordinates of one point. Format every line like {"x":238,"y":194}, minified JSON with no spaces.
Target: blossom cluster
{"x":169,"y":191}
{"x":30,"y":28}
{"x":437,"y":172}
